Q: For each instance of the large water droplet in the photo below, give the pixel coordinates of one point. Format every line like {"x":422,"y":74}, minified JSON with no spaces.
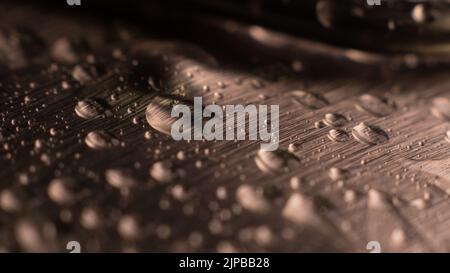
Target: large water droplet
{"x":374,"y":105}
{"x":61,"y":190}
{"x":307,"y":99}
{"x":18,"y":47}
{"x":120,"y":178}
{"x":441,"y":108}
{"x":275,"y":161}
{"x":69,"y":50}
{"x":165,"y":171}
{"x":158,"y":114}
{"x":367,"y":134}
{"x":338,"y":135}
{"x":89,"y":108}
{"x":100,"y":140}
{"x":251,"y":199}
{"x":300,"y":210}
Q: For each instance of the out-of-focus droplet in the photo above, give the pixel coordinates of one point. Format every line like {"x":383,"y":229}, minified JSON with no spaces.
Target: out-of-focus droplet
{"x":69,"y":50}
{"x":19,"y":47}
{"x":307,"y":99}
{"x":91,"y":218}
{"x":275,"y":161}
{"x":251,"y":199}
{"x":10,"y":200}
{"x":441,"y":108}
{"x":326,"y":12}
{"x":337,"y":174}
{"x":300,"y":210}
{"x":376,"y":106}
{"x":120,"y":178}
{"x":31,"y":236}
{"x":419,"y":13}
{"x":128,"y":227}
{"x":165,"y":171}
{"x":100,"y":140}
{"x":61,"y":190}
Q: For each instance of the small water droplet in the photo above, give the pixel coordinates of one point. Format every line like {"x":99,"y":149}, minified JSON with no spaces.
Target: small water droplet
{"x":165,"y":171}
{"x":61,"y":190}
{"x":69,"y":50}
{"x":251,"y":199}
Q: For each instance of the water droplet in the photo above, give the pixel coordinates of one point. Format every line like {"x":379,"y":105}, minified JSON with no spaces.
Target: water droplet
{"x":419,"y":13}
{"x":11,"y":200}
{"x":89,"y":109}
{"x":367,"y":134}
{"x":337,"y":174}
{"x":120,"y":178}
{"x":398,"y":238}
{"x":69,"y":50}
{"x":128,"y":227}
{"x":418,"y":203}
{"x":307,"y":99}
{"x":31,"y":235}
{"x":275,"y":161}
{"x":19,"y":47}
{"x":325,"y":12}
{"x":218,"y":95}
{"x":100,"y":140}
{"x":349,"y":196}
{"x":319,"y":124}
{"x":82,"y":75}
{"x":447,"y":136}
{"x":148,"y":135}
{"x":334,"y":120}
{"x":292,"y":148}
{"x":165,"y":171}
{"x":441,"y":108}
{"x":377,"y":200}
{"x":338,"y":135}
{"x":251,"y":199}
{"x":90,"y":218}
{"x":158,"y":114}
{"x":61,"y":190}
{"x":374,"y":105}
{"x":300,"y":210}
